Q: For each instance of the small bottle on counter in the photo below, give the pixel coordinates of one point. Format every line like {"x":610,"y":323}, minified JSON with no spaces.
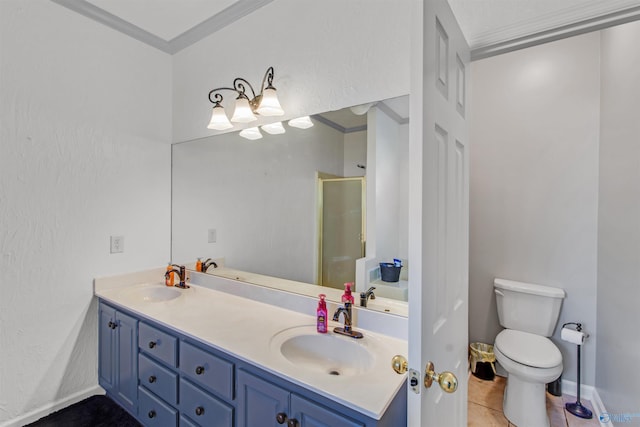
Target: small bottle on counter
{"x":321,"y":313}
{"x":199,"y":264}
{"x":347,"y":297}
{"x":168,"y":279}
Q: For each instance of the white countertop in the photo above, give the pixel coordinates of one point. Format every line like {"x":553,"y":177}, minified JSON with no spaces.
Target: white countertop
{"x":245,"y":328}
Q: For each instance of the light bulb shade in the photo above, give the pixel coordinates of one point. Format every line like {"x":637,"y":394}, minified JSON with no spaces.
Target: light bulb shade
{"x":301,"y":122}
{"x":219,"y":120}
{"x":274,"y":128}
{"x":251,"y":133}
{"x":243,"y":113}
{"x":269,"y":105}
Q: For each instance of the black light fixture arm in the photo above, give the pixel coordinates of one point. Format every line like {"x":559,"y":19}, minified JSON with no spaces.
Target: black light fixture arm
{"x":239,"y":87}
{"x":218,"y":97}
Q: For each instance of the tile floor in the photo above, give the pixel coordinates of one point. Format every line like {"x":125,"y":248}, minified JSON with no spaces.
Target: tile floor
{"x":485,"y":406}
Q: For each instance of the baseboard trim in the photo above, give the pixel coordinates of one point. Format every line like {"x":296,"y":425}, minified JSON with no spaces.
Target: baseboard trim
{"x":52,"y":407}
{"x":598,"y":408}
{"x":589,"y":393}
{"x":570,"y":388}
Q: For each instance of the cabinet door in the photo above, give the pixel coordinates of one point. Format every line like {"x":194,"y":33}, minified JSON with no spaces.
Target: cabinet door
{"x":106,"y":353}
{"x":259,"y":402}
{"x":309,"y":414}
{"x":127,"y":360}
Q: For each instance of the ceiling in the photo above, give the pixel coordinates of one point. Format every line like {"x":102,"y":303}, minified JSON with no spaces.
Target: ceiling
{"x":490,"y":26}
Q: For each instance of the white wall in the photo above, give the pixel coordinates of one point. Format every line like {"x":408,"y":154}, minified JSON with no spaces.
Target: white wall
{"x":388,"y":153}
{"x":327,"y":55}
{"x":261,"y":197}
{"x":355,"y":153}
{"x":83,"y":113}
{"x":534,"y":183}
{"x":618,"y":356}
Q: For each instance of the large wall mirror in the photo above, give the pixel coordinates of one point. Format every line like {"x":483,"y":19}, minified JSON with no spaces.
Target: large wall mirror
{"x":310,"y":207}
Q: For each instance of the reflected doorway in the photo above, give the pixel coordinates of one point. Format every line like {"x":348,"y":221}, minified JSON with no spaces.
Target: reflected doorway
{"x":341,"y":204}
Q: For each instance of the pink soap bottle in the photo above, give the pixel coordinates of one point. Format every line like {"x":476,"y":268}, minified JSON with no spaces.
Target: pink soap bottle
{"x":347,"y":297}
{"x":321,"y":313}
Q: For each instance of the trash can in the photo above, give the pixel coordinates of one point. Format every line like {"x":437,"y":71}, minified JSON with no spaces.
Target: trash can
{"x":481,"y":360}
{"x":389,"y":272}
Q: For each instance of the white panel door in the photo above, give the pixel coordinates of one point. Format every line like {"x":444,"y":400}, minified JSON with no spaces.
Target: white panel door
{"x":439,"y":213}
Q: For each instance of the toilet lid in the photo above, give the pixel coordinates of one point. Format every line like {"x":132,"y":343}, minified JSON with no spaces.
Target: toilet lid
{"x":528,"y":349}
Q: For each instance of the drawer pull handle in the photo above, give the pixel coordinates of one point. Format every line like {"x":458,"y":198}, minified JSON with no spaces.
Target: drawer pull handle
{"x":281,"y":417}
{"x":110,"y":325}
{"x":152,"y":344}
{"x":199,"y":410}
{"x":200,"y":370}
{"x":152,"y":379}
{"x":151,"y":414}
{"x":292,"y":423}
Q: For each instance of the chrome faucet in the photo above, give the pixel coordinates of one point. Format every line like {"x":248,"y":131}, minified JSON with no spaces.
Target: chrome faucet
{"x":364,"y":296}
{"x":346,"y":329}
{"x":182,"y":274}
{"x":208,"y":263}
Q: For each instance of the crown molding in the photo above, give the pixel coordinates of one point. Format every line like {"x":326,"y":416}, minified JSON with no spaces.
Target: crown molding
{"x":215,"y":23}
{"x":337,"y":126}
{"x":591,"y":16}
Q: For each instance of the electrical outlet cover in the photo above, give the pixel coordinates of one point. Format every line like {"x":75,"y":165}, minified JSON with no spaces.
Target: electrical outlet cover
{"x":117,"y":244}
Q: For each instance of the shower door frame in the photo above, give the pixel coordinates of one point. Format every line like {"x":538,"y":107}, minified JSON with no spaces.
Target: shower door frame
{"x":322,"y":178}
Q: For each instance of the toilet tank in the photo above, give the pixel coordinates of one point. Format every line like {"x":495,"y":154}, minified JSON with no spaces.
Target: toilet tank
{"x":527,"y":307}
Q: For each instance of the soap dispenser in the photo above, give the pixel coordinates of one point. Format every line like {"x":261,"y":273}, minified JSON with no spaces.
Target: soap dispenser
{"x":199,"y":264}
{"x":321,"y":313}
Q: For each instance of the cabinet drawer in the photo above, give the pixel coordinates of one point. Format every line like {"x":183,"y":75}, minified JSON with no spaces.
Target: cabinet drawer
{"x":203,"y":408}
{"x":161,"y":381}
{"x":154,"y":412}
{"x":210,"y":372}
{"x":159,"y":344}
{"x":186,"y":422}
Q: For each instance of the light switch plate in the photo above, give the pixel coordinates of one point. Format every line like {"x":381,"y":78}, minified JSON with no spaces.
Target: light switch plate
{"x":212,"y":235}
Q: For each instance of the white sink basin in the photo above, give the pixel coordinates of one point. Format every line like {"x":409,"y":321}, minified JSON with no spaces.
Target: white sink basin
{"x":329,"y":353}
{"x":154,"y":293}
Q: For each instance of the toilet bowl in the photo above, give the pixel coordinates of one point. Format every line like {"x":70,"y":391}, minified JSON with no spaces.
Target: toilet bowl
{"x":532,"y":361}
{"x":529,"y":313}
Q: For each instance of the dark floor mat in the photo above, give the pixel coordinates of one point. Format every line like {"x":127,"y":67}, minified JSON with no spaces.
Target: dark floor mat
{"x":95,"y":411}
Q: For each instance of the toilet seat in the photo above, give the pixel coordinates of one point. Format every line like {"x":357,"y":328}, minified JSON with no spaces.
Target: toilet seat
{"x":528,"y":349}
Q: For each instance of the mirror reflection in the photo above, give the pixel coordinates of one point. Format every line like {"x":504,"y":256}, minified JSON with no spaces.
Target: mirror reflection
{"x":311,"y":207}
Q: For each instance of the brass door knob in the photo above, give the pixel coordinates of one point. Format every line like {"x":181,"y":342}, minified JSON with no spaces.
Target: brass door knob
{"x":447,"y":380}
{"x":399,"y":364}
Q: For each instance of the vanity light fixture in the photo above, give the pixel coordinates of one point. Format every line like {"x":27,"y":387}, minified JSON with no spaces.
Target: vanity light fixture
{"x":251,"y":133}
{"x":273,"y":128}
{"x":301,"y":122}
{"x":265,"y":103}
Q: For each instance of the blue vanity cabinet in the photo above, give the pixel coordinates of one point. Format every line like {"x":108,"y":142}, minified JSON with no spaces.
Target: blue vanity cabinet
{"x":165,"y":378}
{"x":118,"y":356}
{"x":261,"y":403}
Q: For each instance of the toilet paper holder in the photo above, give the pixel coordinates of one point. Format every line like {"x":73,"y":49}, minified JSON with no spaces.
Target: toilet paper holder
{"x":577,"y":408}
{"x":577,"y":324}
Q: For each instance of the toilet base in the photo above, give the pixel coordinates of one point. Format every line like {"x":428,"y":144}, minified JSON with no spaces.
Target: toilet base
{"x":525,"y":403}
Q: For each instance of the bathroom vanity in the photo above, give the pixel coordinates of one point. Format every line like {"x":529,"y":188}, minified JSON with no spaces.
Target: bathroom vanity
{"x":199,"y":357}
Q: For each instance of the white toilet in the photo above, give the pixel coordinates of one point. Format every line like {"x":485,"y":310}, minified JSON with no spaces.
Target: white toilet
{"x":530,"y":313}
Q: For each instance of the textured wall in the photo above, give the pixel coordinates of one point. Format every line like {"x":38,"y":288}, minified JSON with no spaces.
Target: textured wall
{"x":327,"y":55}
{"x":618,"y":356}
{"x":84,"y":111}
{"x":534,"y":183}
{"x":259,"y":196}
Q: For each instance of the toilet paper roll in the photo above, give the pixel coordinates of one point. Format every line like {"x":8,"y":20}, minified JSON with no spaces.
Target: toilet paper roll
{"x":572,"y":336}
